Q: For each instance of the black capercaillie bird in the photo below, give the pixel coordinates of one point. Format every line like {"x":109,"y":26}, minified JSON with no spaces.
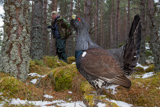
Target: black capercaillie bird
{"x":102,"y":67}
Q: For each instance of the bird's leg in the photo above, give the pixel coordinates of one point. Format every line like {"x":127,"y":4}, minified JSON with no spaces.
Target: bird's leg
{"x":99,"y":91}
{"x":96,"y":98}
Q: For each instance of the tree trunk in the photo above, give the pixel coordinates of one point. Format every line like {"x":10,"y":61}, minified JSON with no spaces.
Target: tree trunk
{"x":143,"y":33}
{"x":96,"y":24}
{"x":54,"y":5}
{"x":44,"y":29}
{"x":52,"y":44}
{"x":128,"y":21}
{"x":155,"y":41}
{"x":102,"y":36}
{"x":116,"y":29}
{"x":112,"y":39}
{"x":87,"y":11}
{"x":70,"y":39}
{"x":16,"y":42}
{"x":37,"y":37}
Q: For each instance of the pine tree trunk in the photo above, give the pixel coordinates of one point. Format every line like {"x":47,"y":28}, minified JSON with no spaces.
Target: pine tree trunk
{"x":44,"y":29}
{"x":37,"y":37}
{"x":52,"y":43}
{"x":154,"y":35}
{"x":16,"y":42}
{"x":69,"y":47}
{"x":96,"y":24}
{"x":128,"y":21}
{"x":102,"y":36}
{"x":143,"y":33}
{"x":87,"y":11}
{"x":116,"y":24}
{"x":112,"y":39}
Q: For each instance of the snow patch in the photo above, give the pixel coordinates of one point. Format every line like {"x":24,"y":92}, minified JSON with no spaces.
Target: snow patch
{"x":144,"y":67}
{"x":101,"y":104}
{"x":70,"y":92}
{"x":73,"y":62}
{"x":113,"y":88}
{"x":60,"y":103}
{"x":34,"y":81}
{"x":47,"y":96}
{"x":35,"y":74}
{"x":121,"y":103}
{"x":147,"y":75}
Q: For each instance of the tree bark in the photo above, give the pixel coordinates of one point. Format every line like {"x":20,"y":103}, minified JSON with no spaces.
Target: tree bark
{"x":112,"y":38}
{"x":128,"y":21}
{"x":87,"y":11}
{"x":116,"y":29}
{"x":69,"y":47}
{"x":143,"y":33}
{"x":52,"y":43}
{"x":44,"y":30}
{"x":97,"y":38}
{"x":37,"y":37}
{"x":16,"y":42}
{"x":102,"y":36}
{"x":155,"y":41}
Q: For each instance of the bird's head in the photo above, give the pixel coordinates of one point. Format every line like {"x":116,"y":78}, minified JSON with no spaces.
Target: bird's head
{"x":78,"y":23}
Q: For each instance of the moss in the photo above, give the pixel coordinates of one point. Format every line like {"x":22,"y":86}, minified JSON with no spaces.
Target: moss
{"x":69,"y":78}
{"x":53,"y":62}
{"x":63,"y":77}
{"x":36,"y":68}
{"x":90,"y":99}
{"x":39,"y":62}
{"x":86,"y":87}
{"x":139,"y":70}
{"x":13,"y":88}
{"x":11,"y":84}
{"x":71,"y":59}
{"x":150,"y":68}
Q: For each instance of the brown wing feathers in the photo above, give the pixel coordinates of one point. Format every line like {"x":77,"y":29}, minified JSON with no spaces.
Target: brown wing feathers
{"x":104,"y":66}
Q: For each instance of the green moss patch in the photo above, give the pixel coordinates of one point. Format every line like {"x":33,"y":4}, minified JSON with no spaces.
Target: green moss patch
{"x":71,"y":59}
{"x":36,"y":68}
{"x":139,"y":70}
{"x":150,"y":68}
{"x":91,"y":100}
{"x":13,"y":88}
{"x":53,"y":62}
{"x":69,"y":78}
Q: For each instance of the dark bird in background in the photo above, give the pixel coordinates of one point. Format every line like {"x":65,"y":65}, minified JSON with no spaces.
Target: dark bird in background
{"x":104,"y":67}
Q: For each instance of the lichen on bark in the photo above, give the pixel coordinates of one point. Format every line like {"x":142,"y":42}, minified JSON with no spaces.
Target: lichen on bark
{"x":16,"y":43}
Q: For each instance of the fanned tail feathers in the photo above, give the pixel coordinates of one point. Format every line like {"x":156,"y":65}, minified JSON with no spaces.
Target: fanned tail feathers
{"x":132,"y":46}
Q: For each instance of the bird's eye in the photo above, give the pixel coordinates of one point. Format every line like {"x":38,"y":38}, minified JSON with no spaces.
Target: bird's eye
{"x":78,"y":19}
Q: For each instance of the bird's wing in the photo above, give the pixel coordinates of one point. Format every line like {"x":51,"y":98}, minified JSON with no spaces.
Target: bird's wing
{"x":132,"y":46}
{"x":99,"y":63}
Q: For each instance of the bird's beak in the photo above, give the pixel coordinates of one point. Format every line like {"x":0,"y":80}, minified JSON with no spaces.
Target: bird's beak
{"x":74,"y":16}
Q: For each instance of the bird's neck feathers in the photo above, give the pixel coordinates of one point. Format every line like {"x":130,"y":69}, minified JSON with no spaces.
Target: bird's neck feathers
{"x":83,"y":40}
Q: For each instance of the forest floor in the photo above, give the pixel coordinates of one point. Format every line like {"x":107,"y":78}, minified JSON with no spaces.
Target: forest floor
{"x":53,"y":83}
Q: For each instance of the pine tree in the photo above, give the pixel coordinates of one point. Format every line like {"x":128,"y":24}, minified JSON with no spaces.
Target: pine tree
{"x":36,"y":33}
{"x":16,"y":42}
